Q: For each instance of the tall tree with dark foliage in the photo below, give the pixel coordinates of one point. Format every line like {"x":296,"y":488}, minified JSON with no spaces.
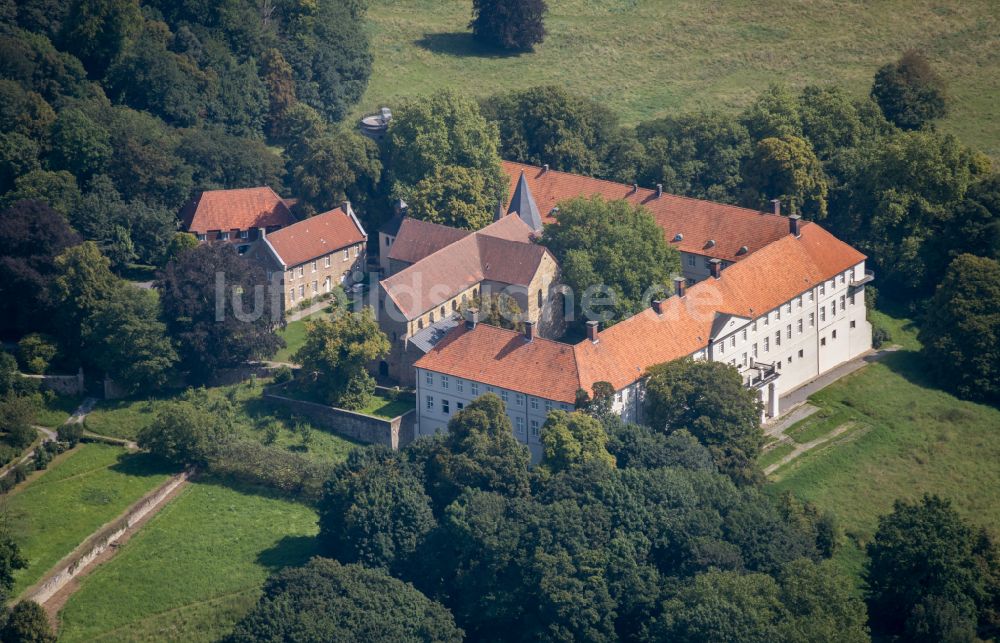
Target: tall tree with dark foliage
{"x":509,"y":24}
{"x":214,"y":327}
{"x":910,"y":92}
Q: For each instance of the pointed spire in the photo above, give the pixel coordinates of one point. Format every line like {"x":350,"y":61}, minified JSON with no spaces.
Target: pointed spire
{"x":524,"y":204}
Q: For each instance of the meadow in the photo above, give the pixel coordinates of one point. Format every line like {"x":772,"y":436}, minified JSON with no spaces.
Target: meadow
{"x":649,"y":58}
{"x":80,"y":491}
{"x":908,"y":438}
{"x":193,"y":570}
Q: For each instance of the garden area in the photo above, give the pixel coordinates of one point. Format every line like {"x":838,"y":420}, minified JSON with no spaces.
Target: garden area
{"x":256,"y":418}
{"x":80,"y":491}
{"x":194,"y":569}
{"x":906,"y":437}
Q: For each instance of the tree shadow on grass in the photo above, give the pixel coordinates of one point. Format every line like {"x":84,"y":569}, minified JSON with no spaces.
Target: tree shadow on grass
{"x":290,"y":551}
{"x":143,"y":464}
{"x":461,"y":44}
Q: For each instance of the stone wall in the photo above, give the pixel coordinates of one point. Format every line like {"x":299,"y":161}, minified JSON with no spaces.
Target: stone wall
{"x":62,"y":384}
{"x":99,"y":542}
{"x":394,"y":433}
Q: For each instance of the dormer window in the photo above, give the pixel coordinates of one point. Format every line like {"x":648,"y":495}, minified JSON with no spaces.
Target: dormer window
{"x":244,"y":234}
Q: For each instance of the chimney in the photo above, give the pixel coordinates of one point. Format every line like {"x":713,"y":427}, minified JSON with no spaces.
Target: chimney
{"x":261,"y":232}
{"x":592,"y":331}
{"x":635,"y":188}
{"x":471,"y":318}
{"x":776,"y":203}
{"x":715,"y":265}
{"x":346,"y":205}
{"x":545,"y":168}
{"x":795,"y":224}
{"x":680,"y":286}
{"x":659,"y":190}
{"x":529,"y":330}
{"x":658,"y":306}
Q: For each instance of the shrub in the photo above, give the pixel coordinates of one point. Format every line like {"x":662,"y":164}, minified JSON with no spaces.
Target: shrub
{"x":35,"y":352}
{"x":880,"y":336}
{"x":282,"y":375}
{"x":270,"y":466}
{"x":71,"y":434}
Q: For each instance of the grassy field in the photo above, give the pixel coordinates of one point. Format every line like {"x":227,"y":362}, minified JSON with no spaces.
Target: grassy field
{"x":125,"y":418}
{"x":911,"y":438}
{"x":379,"y":405}
{"x":294,"y":335}
{"x":86,"y":488}
{"x":56,"y":411}
{"x":194,"y":570}
{"x":648,"y":58}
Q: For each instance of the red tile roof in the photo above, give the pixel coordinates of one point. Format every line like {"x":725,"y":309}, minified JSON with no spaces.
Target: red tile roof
{"x":504,"y":358}
{"x":417,"y":239}
{"x":242,"y":209}
{"x":699,"y":222}
{"x":776,"y":274}
{"x":501,"y":252}
{"x":316,"y":236}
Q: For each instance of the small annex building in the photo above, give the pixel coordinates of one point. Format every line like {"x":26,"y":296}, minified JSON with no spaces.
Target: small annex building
{"x":236,"y":216}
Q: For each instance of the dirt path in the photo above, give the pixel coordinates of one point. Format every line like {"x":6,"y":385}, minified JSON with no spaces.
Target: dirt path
{"x":55,"y":603}
{"x":802,"y":448}
{"x":48,"y":435}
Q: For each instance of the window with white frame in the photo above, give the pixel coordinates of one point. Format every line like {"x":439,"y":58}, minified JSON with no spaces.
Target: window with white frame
{"x":534,"y":404}
{"x":445,"y":381}
{"x":201,"y":237}
{"x":732,"y":342}
{"x":314,"y":265}
{"x":302,"y":291}
{"x":564,"y":406}
{"x":812,"y":319}
{"x":445,"y":406}
{"x":788,"y":334}
{"x":843,"y":302}
{"x":459,"y":405}
{"x":755,"y":350}
{"x":691,"y":260}
{"x":302,"y":270}
{"x":519,"y":399}
{"x":548,"y":405}
{"x":244,"y":234}
{"x":291,"y":294}
{"x":534,"y":428}
{"x":315,"y":287}
{"x":474,"y":388}
{"x":459,"y":385}
{"x":767,"y":344}
{"x":430,"y":402}
{"x":503,"y":396}
{"x":745,"y":360}
{"x":810,"y":295}
{"x":744,"y":334}
{"x":721,"y":347}
{"x":429,"y":378}
{"x":822,"y":313}
{"x":800,"y":326}
{"x":822,"y":289}
{"x":777,"y":338}
{"x":327,"y":261}
{"x":347,"y":254}
{"x":519,"y":421}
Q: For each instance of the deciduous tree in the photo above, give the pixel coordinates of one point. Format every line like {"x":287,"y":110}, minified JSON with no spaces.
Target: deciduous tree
{"x":569,"y":439}
{"x":961,"y":332}
{"x":787,"y":169}
{"x":335,"y":357}
{"x":611,"y":244}
{"x":327,"y":601}
{"x":27,"y":623}
{"x":509,"y":24}
{"x":708,"y":399}
{"x":211,"y":325}
{"x":910,"y":92}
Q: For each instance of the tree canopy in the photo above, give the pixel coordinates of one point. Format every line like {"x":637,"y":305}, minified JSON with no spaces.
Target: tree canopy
{"x":327,"y":601}
{"x":708,"y":399}
{"x":611,"y":244}
{"x":509,"y":24}
{"x":930,"y":573}
{"x":910,"y":92}
{"x":335,"y":356}
{"x":961,"y":331}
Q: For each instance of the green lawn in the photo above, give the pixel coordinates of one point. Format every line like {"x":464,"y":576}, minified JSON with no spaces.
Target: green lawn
{"x":294,"y":335}
{"x":55,"y":512}
{"x":125,"y":418}
{"x":193,"y":570}
{"x":648,"y":58}
{"x":379,"y":405}
{"x":55,"y":411}
{"x":917,"y":439}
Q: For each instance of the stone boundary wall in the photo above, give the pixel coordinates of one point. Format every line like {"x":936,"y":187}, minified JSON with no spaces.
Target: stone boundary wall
{"x":62,"y":384}
{"x":99,"y":542}
{"x":394,"y":433}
